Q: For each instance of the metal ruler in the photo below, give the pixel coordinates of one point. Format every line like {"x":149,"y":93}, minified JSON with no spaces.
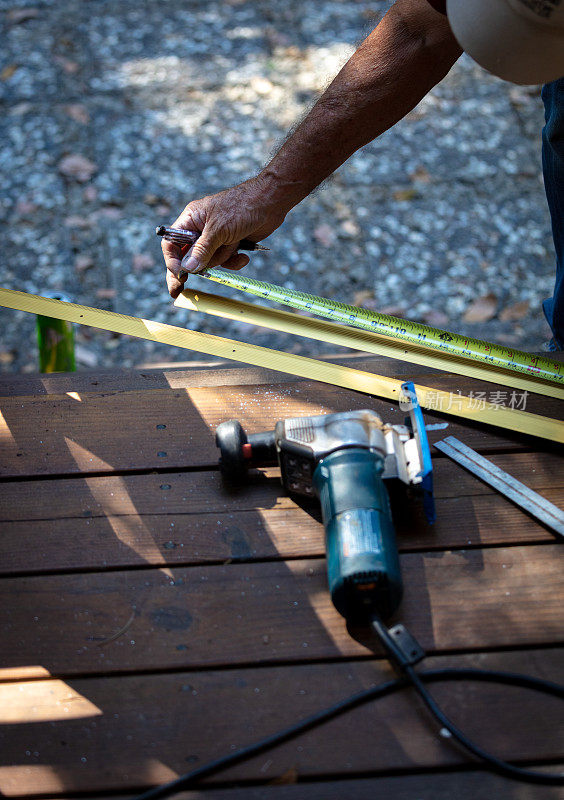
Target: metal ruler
{"x":410,"y":333}
{"x":513,"y":489}
{"x":380,"y":385}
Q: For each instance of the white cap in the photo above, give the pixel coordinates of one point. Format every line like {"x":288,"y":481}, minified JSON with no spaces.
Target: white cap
{"x":519,"y":40}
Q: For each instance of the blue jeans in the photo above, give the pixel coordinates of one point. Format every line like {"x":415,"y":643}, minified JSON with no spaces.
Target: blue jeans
{"x":553,"y":171}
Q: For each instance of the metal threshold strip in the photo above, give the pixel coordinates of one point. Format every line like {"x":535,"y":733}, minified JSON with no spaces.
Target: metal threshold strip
{"x":382,"y":386}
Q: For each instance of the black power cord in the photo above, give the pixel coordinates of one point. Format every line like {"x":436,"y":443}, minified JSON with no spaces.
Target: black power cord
{"x":403,"y":651}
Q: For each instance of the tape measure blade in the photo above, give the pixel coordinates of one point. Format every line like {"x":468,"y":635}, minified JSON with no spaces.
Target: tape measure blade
{"x":367,"y":341}
{"x":405,"y":330}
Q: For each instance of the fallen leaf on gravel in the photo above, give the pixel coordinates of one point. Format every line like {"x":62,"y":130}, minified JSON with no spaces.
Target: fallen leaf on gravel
{"x":371,"y":304}
{"x":361,"y":297}
{"x":17,"y":15}
{"x":90,"y":194}
{"x":142,"y":261}
{"x":292,"y":52}
{"x":438,"y":319}
{"x":482,"y":309}
{"x":275,"y":38}
{"x":74,"y":221}
{"x":105,"y":294}
{"x":6,"y":357}
{"x":21,"y":108}
{"x":350,"y":228}
{"x":261,"y":85}
{"x":158,"y":203}
{"x":325,"y":234}
{"x":109,"y":212}
{"x":25,"y":208}
{"x":82,"y":263}
{"x":420,"y":174}
{"x":78,"y":112}
{"x":8,"y":71}
{"x":403,"y":195}
{"x":515,"y":311}
{"x":78,"y":167}
{"x":393,"y":311}
{"x":508,"y":338}
{"x":70,"y":67}
{"x":521,"y":95}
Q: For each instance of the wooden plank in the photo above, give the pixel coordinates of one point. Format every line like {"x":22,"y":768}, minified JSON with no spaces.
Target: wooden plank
{"x":205,"y":491}
{"x":184,"y":539}
{"x":109,"y":734}
{"x":190,"y":518}
{"x":196,"y":374}
{"x":170,"y":428}
{"x":426,"y":786}
{"x":271,"y":611}
{"x":188,"y":373}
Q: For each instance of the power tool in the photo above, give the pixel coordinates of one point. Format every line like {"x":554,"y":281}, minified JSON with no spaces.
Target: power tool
{"x":344,"y":459}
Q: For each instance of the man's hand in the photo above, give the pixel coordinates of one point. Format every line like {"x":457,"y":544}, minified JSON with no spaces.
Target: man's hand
{"x":223,"y":219}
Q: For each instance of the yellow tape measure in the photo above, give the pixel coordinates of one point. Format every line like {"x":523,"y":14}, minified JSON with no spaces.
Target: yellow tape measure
{"x":390,"y":388}
{"x":411,"y":333}
{"x":366,"y":341}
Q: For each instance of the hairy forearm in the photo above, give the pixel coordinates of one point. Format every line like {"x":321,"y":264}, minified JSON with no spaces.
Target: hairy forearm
{"x":410,"y":51}
{"x":407,"y":54}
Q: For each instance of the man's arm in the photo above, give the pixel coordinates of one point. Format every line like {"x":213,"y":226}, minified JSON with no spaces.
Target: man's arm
{"x":410,"y":51}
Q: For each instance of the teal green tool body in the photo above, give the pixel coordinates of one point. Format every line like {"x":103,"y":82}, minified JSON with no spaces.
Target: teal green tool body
{"x":344,"y":460}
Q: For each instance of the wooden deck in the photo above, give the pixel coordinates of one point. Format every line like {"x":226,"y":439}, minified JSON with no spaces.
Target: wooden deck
{"x":152,"y":619}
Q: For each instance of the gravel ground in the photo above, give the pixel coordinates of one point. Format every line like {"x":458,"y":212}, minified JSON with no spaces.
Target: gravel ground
{"x":115,"y":115}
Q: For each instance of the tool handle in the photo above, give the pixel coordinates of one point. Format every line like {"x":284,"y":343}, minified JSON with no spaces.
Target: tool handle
{"x":362,"y":558}
{"x":246,"y":244}
{"x":262,"y":449}
{"x":182,"y":237}
{"x":239,"y":451}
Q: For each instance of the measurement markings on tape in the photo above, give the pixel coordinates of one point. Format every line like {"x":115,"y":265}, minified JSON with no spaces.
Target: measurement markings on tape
{"x":312,"y":369}
{"x":509,"y":486}
{"x":411,"y":333}
{"x":323,"y":331}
